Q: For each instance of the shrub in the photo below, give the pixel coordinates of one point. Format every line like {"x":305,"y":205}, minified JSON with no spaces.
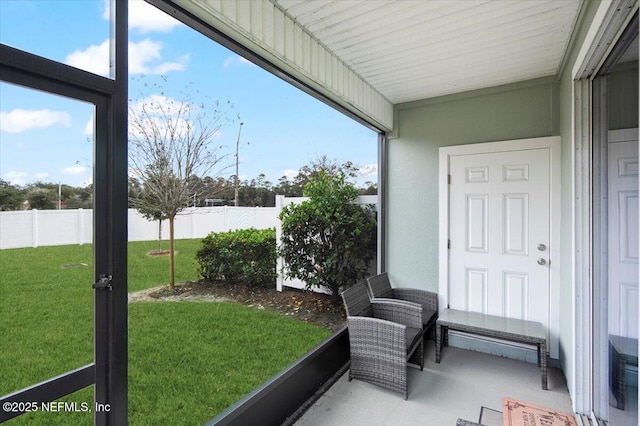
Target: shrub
{"x":243,"y":256}
{"x":328,"y":241}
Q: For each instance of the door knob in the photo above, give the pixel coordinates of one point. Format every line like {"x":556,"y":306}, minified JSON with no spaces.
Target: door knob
{"x":541,"y":261}
{"x":542,"y":247}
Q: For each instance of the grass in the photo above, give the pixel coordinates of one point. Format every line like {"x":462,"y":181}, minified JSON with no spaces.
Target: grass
{"x":188,"y":361}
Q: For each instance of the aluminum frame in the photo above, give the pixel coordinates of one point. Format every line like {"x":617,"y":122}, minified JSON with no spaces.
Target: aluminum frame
{"x":109,"y":370}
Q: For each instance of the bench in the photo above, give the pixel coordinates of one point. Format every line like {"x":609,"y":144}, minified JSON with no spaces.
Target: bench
{"x":623,"y":351}
{"x":511,"y":329}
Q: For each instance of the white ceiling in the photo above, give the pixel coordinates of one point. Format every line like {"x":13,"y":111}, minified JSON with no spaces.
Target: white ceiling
{"x":417,"y":49}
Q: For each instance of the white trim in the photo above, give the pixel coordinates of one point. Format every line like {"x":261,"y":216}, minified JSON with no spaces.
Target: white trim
{"x":582,"y":238}
{"x":585,"y":53}
{"x":623,"y":135}
{"x":553,"y":144}
{"x":610,"y":20}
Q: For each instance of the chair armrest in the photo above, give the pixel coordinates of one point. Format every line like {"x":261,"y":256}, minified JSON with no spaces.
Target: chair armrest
{"x":376,"y":337}
{"x":423,"y":297}
{"x":388,"y":300}
{"x":406,"y":313}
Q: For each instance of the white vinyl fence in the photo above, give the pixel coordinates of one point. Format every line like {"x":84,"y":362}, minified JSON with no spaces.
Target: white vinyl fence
{"x":33,"y":228}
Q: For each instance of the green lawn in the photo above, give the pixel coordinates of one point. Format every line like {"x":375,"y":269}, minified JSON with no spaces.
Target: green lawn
{"x":188,"y":361}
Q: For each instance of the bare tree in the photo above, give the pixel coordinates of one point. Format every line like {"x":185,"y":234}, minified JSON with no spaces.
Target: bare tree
{"x":171,"y":142}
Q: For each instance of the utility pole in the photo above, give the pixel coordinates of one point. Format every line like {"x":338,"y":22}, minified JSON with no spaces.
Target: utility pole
{"x":236,"y":203}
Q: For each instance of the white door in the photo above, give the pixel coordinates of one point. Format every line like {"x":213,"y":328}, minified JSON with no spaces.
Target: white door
{"x":499,"y":231}
{"x":623,"y":233}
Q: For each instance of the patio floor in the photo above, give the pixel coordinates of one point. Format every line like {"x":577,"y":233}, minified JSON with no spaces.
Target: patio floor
{"x":458,"y":387}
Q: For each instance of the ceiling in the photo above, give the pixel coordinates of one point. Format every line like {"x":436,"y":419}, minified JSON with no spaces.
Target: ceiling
{"x":417,"y":49}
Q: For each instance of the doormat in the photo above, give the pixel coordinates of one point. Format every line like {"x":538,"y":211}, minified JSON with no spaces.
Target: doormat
{"x":520,"y":413}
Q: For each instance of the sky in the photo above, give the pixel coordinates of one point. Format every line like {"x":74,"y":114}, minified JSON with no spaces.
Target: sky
{"x":48,"y":138}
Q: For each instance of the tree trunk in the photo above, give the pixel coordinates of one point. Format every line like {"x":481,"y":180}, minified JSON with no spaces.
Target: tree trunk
{"x":172,"y":269}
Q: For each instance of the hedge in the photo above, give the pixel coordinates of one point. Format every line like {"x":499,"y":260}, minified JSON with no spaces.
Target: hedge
{"x":246,"y":256}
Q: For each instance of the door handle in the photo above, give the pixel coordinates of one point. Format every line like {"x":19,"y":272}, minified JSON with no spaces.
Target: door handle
{"x":542,"y":247}
{"x":541,"y":261}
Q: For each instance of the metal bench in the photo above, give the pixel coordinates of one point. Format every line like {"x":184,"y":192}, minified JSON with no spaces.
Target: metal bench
{"x":511,"y":329}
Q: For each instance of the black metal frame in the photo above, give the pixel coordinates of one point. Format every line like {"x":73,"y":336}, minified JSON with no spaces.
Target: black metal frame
{"x":382,"y":203}
{"x":275,"y":401}
{"x":109,"y":96}
{"x":286,"y":396}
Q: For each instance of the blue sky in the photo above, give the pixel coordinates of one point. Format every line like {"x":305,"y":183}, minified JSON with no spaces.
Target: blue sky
{"x":48,"y":138}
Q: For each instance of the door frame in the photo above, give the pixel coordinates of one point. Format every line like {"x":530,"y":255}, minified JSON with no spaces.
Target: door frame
{"x":553,"y":144}
{"x":611,"y":19}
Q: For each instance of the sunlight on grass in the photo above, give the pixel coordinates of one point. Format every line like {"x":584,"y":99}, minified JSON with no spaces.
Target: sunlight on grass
{"x":188,"y":361}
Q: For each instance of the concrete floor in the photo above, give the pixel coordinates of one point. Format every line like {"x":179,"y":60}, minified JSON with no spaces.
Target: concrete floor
{"x":458,"y":387}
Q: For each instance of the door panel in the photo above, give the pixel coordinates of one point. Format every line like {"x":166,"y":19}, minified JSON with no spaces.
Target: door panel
{"x":623,"y":238}
{"x":499,"y":227}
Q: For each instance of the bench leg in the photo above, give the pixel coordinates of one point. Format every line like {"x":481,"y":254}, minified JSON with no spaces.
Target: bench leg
{"x":542,"y":359}
{"x":438,"y":342}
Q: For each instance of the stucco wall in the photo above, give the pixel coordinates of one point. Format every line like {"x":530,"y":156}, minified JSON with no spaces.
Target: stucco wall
{"x":517,"y":111}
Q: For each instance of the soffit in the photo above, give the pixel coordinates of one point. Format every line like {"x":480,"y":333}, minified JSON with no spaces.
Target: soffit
{"x":417,"y":49}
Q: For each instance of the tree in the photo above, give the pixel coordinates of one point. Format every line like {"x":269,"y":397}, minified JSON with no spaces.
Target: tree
{"x":323,"y":164}
{"x":42,"y":198}
{"x":328,"y":241}
{"x":11,"y":196}
{"x":170,"y":143}
{"x":150,"y":211}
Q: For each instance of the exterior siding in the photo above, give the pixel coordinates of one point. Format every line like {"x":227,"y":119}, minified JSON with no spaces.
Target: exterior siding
{"x":267,"y":30}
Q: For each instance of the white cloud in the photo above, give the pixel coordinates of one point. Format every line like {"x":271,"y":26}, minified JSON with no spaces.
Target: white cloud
{"x":290,"y":174}
{"x":20,"y":120}
{"x":94,"y":58}
{"x":158,"y":115}
{"x":41,"y":175}
{"x":146,"y":18}
{"x":369,"y":170}
{"x":16,"y":178}
{"x":88,"y":129}
{"x":161,"y":114}
{"x":236,"y":60}
{"x":73,"y":170}
{"x":142,"y":55}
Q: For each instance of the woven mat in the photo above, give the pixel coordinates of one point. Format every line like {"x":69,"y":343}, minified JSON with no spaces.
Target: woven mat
{"x":520,"y":413}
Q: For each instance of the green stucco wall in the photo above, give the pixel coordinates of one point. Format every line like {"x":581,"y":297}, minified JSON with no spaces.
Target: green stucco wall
{"x":536,"y":108}
{"x":517,"y":111}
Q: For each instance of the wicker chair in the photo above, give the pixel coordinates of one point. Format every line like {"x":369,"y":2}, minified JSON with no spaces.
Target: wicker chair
{"x":383,"y":337}
{"x":380,"y":288}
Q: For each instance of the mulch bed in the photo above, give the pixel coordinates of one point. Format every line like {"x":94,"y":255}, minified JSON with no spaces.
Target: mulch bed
{"x":307,"y":306}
